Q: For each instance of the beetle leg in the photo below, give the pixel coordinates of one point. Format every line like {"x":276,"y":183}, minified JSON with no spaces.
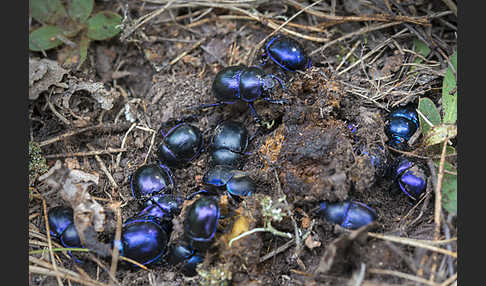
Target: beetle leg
{"x":277,"y":101}
{"x":255,"y":115}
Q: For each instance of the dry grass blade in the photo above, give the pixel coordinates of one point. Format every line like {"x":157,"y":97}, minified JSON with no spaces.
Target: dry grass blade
{"x":69,"y":276}
{"x":380,"y":17}
{"x":49,"y":242}
{"x":361,"y":31}
{"x":89,"y":153}
{"x":115,"y":252}
{"x":413,"y":242}
{"x":402,"y":275}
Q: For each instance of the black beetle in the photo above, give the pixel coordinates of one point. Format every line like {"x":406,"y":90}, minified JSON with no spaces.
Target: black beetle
{"x":201,"y":221}
{"x":162,"y":206}
{"x":182,"y":144}
{"x":229,"y":143}
{"x":242,"y":83}
{"x":287,"y":53}
{"x":348,"y":214}
{"x":151,"y":179}
{"x":401,"y":125}
{"x":61,"y":224}
{"x":410,"y":177}
{"x":236,"y":183}
{"x":185,"y":255}
{"x":144,"y":239}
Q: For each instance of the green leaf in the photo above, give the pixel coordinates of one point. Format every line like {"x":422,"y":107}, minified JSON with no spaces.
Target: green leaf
{"x":439,"y":133}
{"x":449,"y":101}
{"x":47,"y":11}
{"x":79,"y":10}
{"x":83,"y":50}
{"x":422,"y":49}
{"x":427,"y":107}
{"x":449,"y":187}
{"x":44,"y":38}
{"x":103,"y":25}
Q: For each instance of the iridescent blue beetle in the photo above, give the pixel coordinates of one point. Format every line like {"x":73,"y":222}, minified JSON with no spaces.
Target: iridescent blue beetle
{"x":401,"y":125}
{"x":410,"y":177}
{"x":163,"y":206}
{"x":201,"y":222}
{"x":348,"y":214}
{"x":149,"y":180}
{"x":229,"y":143}
{"x":237,"y":184}
{"x":144,"y":239}
{"x":185,"y":255}
{"x":287,"y":53}
{"x":242,"y":83}
{"x":61,"y":224}
{"x":181,"y":144}
{"x":377,"y":153}
{"x":200,"y":226}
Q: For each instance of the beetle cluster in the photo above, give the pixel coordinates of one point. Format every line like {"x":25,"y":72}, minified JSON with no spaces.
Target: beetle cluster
{"x":409,"y":175}
{"x":146,"y":236}
{"x":249,"y":83}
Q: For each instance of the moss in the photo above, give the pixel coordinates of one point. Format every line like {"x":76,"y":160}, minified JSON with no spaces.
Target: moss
{"x":37,"y":162}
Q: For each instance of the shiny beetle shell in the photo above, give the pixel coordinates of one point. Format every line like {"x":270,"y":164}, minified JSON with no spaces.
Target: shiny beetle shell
{"x":411,"y":177}
{"x":202,"y":219}
{"x":287,"y":53}
{"x":61,"y":224}
{"x":144,"y":239}
{"x":348,"y":214}
{"x":402,"y":123}
{"x":185,"y":255}
{"x":182,"y":144}
{"x":151,"y":179}
{"x":235,"y":182}
{"x":229,"y":143}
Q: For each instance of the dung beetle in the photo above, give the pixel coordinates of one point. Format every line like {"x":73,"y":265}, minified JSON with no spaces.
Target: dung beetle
{"x":287,"y":53}
{"x":401,"y":125}
{"x":162,"y":206}
{"x":410,"y":177}
{"x":229,"y":143}
{"x":201,"y":221}
{"x":242,"y":83}
{"x":236,"y":183}
{"x":144,"y":239}
{"x":348,"y":214}
{"x":149,"y":180}
{"x":182,"y":144}
{"x":378,"y":156}
{"x":61,"y":224}
{"x":183,"y":254}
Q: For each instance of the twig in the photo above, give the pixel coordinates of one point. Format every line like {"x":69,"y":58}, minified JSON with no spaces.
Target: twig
{"x":103,"y":167}
{"x":183,"y":54}
{"x":49,"y":243}
{"x":280,"y":249}
{"x":381,"y":17}
{"x":348,"y":55}
{"x":361,"y":31}
{"x":144,"y":19}
{"x":401,"y":275}
{"x":115,"y":252}
{"x":118,"y":157}
{"x":438,"y":205}
{"x":102,"y":128}
{"x":451,"y":6}
{"x":87,"y":153}
{"x":374,"y":50}
{"x":413,"y":242}
{"x":70,"y":276}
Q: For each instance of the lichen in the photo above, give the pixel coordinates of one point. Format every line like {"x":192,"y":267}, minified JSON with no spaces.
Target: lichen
{"x":37,"y":162}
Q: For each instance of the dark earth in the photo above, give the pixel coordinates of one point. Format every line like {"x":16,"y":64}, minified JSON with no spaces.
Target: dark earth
{"x":305,"y":150}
